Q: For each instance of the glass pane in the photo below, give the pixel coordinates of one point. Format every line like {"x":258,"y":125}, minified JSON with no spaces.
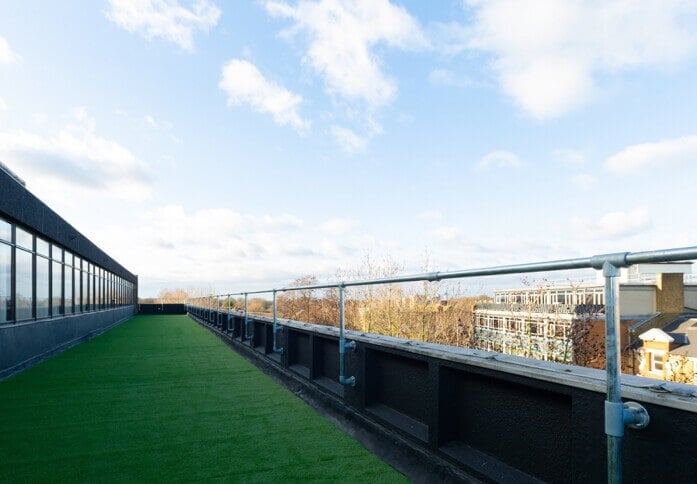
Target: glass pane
{"x":5,"y":283}
{"x":23,"y":290}
{"x":72,"y":296}
{"x":5,"y":231}
{"x":42,"y":286}
{"x":24,"y":239}
{"x":41,"y":247}
{"x":78,"y":290}
{"x":85,"y":293}
{"x":68,"y":258}
{"x":56,"y":253}
{"x":57,"y":289}
{"x":68,"y":289}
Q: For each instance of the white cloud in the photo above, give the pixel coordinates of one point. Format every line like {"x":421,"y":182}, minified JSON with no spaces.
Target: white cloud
{"x":498,"y":159}
{"x":660,"y":154}
{"x":153,"y":123}
{"x":338,"y":226}
{"x":570,"y":157}
{"x":348,"y":140}
{"x":613,"y":225}
{"x":584,"y":181}
{"x":446,"y":234}
{"x":165,"y":19}
{"x":7,"y":56}
{"x":175,"y":246}
{"x":431,"y":215}
{"x":341,"y":37}
{"x":546,"y":53}
{"x":3,"y":105}
{"x":76,"y":157}
{"x":444,"y":77}
{"x":244,"y":84}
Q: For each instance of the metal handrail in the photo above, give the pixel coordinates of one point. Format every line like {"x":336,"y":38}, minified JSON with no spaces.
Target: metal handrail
{"x":618,"y":415}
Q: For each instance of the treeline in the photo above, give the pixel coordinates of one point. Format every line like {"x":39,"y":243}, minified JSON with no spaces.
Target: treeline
{"x":430,"y":311}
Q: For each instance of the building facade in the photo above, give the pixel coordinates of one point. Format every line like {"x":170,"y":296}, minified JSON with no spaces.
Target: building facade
{"x":56,"y":287}
{"x":566,"y":323}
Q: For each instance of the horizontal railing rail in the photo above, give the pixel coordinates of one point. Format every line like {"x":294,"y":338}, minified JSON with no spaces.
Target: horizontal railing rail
{"x":618,"y":415}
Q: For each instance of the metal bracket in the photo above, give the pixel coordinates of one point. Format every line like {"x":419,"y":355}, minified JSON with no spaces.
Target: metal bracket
{"x":619,"y":415}
{"x":350,"y":345}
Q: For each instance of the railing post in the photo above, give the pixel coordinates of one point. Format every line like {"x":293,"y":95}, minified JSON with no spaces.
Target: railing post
{"x":343,"y":345}
{"x":617,"y":414}
{"x":246,"y":318}
{"x":228,"y":313}
{"x":276,"y":327}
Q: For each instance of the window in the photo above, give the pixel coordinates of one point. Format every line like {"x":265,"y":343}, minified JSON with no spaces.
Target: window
{"x":657,"y":362}
{"x":42,"y":285}
{"x":5,"y":231}
{"x":68,"y":283}
{"x":57,"y":289}
{"x":24,"y":239}
{"x":24,"y":284}
{"x":5,"y":281}
{"x":77,"y":274}
{"x":41,"y":246}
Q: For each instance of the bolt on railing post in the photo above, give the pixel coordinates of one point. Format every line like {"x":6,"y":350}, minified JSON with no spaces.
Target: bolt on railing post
{"x":343,"y":345}
{"x":276,"y":326}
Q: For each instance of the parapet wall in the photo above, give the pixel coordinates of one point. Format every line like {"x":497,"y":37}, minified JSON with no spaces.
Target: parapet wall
{"x":493,"y":416}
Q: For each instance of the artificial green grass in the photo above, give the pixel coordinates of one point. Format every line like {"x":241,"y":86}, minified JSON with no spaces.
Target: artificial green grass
{"x":160,"y":398}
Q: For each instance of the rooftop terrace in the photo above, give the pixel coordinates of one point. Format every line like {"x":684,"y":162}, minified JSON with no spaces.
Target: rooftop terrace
{"x":161,"y":398}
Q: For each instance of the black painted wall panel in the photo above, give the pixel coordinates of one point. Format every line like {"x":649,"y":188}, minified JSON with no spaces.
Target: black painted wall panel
{"x":512,"y":422}
{"x":299,"y":350}
{"x":399,"y":383}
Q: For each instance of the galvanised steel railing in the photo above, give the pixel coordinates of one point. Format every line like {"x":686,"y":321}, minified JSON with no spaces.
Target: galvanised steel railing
{"x":618,"y":415}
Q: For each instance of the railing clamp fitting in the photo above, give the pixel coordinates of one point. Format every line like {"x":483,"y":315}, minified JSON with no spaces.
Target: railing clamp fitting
{"x":348,"y":381}
{"x":629,"y":414}
{"x":617,"y":259}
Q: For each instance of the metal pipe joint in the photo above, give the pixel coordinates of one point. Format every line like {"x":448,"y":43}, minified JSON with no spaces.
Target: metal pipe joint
{"x":621,"y":415}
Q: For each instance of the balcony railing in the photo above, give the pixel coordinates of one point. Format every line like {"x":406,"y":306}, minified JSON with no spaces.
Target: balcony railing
{"x":618,"y":414}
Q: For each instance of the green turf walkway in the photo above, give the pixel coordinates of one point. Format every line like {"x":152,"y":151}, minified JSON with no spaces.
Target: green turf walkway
{"x":160,"y":398}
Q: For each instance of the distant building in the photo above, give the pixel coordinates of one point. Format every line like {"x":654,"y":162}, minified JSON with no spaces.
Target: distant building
{"x":670,"y":353}
{"x":567,"y":323}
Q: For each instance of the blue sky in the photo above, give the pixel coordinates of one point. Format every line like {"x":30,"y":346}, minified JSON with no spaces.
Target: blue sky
{"x":236,"y":145}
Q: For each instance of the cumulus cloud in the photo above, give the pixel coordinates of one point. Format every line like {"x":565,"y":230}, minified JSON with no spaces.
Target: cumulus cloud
{"x":446,"y":234}
{"x":431,"y":215}
{"x":444,"y":77}
{"x":175,"y":246}
{"x":245,"y":85}
{"x":341,"y":37}
{"x":569,"y":156}
{"x":546,"y":54}
{"x":77,"y":156}
{"x":660,"y":154}
{"x":338,"y":226}
{"x":613,"y":225}
{"x":498,"y":159}
{"x":7,"y":56}
{"x":164,"y":19}
{"x":151,"y":122}
{"x":584,"y":181}
{"x":348,"y":140}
